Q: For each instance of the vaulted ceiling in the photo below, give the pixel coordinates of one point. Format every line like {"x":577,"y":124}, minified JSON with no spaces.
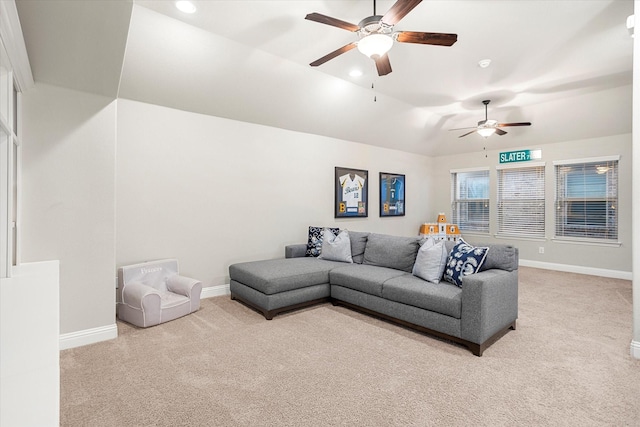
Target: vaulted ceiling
{"x":565,"y":66}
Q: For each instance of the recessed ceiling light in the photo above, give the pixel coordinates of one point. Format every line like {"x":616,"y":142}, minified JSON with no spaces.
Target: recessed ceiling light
{"x":355,"y":73}
{"x":185,"y":6}
{"x":484,"y":63}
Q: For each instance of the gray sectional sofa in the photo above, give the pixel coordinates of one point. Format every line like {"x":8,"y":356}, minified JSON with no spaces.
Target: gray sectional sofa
{"x":380,"y":282}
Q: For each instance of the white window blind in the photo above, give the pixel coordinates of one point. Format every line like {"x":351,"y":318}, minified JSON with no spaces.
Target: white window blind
{"x":587,"y":200}
{"x":521,"y":201}
{"x":470,"y":200}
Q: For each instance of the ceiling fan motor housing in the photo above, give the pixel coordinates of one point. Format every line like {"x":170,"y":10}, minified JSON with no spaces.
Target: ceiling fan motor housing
{"x":373,"y":25}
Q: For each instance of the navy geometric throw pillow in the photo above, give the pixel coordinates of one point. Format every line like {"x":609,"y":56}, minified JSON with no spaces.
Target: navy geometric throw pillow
{"x":464,"y":259}
{"x":314,"y":243}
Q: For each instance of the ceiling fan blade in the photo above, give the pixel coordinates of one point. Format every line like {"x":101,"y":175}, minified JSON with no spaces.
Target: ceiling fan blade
{"x":468,"y":133}
{"x":383,"y":65}
{"x":440,"y":39}
{"x":343,"y":49}
{"x":323,"y":19}
{"x":399,"y":10}
{"x":500,"y":132}
{"x":513,"y":124}
{"x":470,"y":127}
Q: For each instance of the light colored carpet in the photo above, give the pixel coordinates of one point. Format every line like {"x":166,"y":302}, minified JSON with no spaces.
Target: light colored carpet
{"x":567,"y":364}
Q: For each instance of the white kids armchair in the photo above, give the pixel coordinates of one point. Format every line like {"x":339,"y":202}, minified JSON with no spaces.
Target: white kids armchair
{"x":153,"y":292}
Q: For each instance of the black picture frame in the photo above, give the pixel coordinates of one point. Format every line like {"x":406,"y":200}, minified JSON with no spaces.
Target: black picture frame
{"x":351,"y":188}
{"x":393,"y":188}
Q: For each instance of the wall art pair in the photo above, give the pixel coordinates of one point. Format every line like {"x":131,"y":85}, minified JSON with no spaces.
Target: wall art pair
{"x":352,"y":188}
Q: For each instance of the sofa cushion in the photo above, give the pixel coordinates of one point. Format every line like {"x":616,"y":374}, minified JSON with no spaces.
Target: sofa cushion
{"x":336,"y":248}
{"x":363,"y":278}
{"x":430,"y":261}
{"x":314,"y":241}
{"x":280,"y":275}
{"x":391,"y":251}
{"x":444,"y":298}
{"x":464,"y":259}
{"x":358,"y":244}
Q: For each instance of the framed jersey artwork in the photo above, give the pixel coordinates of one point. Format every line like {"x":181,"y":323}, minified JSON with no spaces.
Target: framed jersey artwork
{"x":351,"y":188}
{"x":392,"y":191}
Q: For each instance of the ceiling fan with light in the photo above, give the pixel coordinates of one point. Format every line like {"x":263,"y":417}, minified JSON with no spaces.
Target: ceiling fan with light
{"x":376,"y":34}
{"x":487,"y":127}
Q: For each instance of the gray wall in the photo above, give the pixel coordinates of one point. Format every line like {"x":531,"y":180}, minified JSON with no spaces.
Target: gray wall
{"x":68,"y":196}
{"x":593,"y":259}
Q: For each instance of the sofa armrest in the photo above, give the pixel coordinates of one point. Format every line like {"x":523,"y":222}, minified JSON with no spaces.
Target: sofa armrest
{"x":489,"y":303}
{"x":190,"y":288}
{"x":135,"y":294}
{"x":295,"y":251}
{"x":182,"y":285}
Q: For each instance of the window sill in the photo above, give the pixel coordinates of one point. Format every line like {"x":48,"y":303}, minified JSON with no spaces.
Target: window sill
{"x":513,"y":237}
{"x":587,"y":242}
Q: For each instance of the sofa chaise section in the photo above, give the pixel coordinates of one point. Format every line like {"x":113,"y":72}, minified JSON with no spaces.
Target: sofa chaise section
{"x":274,"y":286}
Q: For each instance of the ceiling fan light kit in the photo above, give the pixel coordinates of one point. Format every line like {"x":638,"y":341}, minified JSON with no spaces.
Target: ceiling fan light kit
{"x":375,"y":45}
{"x":486,"y":132}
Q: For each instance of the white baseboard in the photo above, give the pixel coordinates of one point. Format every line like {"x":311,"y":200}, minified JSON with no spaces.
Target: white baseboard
{"x":635,"y":349}
{"x":88,"y":336}
{"x":614,"y":274}
{"x":215,"y":291}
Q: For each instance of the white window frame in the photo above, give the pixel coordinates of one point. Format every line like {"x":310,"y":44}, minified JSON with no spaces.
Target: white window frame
{"x":611,"y":234}
{"x":511,"y":222}
{"x":458,"y":203}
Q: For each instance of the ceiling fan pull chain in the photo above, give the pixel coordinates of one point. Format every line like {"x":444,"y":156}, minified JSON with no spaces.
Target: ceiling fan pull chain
{"x":374,"y":93}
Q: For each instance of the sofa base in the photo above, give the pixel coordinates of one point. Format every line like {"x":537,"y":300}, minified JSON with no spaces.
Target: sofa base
{"x":476,"y":349}
{"x":269,"y":314}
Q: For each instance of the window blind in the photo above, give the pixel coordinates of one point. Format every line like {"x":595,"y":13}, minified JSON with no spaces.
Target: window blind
{"x":521,"y":201}
{"x":587,"y":200}
{"x":470,"y":200}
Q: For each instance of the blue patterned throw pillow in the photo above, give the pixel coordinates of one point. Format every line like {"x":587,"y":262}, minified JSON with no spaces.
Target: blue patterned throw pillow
{"x":314,"y":243}
{"x":463,"y":260}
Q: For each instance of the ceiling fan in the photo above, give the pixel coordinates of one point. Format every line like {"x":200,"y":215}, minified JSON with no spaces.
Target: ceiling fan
{"x":486,"y":127}
{"x":377,"y":35}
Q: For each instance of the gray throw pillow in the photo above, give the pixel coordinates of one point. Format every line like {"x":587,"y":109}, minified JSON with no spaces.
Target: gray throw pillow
{"x":336,"y":248}
{"x":358,"y":244}
{"x":391,"y":251}
{"x":431,"y":260}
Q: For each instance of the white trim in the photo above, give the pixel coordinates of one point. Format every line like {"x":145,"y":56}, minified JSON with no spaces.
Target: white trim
{"x":585,"y":242}
{"x":521,"y":165}
{"x":487,"y":168}
{"x":88,"y":336}
{"x":215,"y":291}
{"x":635,"y":349}
{"x":11,"y":36}
{"x":591,"y":271}
{"x":587,"y":160}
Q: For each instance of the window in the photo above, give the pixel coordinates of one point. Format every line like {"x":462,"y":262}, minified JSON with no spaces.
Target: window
{"x":521,"y":201}
{"x":470,"y":200}
{"x":9,"y":166}
{"x":587,"y":199}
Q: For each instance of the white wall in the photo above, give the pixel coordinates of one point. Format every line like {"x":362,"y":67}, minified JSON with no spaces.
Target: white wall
{"x":212,"y":191}
{"x":68,"y":198}
{"x":606,"y":260}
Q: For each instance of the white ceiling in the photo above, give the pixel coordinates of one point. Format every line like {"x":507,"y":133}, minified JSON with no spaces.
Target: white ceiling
{"x":565,"y":66}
